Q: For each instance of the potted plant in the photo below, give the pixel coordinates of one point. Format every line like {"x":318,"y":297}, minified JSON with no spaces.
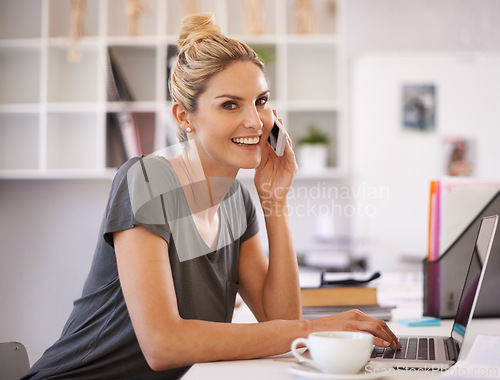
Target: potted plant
{"x":313,"y":149}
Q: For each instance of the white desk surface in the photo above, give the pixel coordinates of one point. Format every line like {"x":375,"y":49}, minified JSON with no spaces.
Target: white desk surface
{"x":409,"y":300}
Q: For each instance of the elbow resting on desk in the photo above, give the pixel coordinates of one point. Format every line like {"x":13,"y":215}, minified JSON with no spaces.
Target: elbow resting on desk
{"x":169,"y":348}
{"x":187,"y":342}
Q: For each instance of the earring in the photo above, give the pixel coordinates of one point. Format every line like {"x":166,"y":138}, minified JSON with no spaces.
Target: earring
{"x":188,"y":129}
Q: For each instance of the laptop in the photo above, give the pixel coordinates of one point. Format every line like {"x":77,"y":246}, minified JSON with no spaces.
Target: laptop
{"x":441,"y":352}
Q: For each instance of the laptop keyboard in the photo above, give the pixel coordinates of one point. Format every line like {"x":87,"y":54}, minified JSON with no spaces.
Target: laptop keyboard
{"x":411,"y":349}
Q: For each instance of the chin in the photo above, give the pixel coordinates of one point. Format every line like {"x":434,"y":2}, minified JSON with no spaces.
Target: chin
{"x":250,"y":164}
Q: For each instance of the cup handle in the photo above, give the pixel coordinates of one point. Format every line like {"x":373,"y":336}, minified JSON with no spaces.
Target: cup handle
{"x":300,"y":357}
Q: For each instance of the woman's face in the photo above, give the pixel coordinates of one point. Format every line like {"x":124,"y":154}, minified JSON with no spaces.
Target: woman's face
{"x":232,"y":120}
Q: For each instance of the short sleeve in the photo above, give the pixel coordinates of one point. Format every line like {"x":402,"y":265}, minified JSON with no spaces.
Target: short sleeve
{"x":120,"y":212}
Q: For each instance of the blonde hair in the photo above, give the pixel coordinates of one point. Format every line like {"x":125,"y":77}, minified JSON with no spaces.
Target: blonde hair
{"x":203,"y":52}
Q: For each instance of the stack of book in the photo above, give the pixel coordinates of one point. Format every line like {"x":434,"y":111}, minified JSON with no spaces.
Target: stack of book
{"x":339,"y":292}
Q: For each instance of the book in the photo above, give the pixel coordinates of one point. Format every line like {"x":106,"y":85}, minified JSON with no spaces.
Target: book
{"x":383,"y":312}
{"x":432,"y":197}
{"x":115,"y":151}
{"x":461,"y":201}
{"x":339,"y":296}
{"x":125,"y":119}
{"x":460,"y":205}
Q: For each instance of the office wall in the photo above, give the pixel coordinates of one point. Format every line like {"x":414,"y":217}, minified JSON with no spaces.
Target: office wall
{"x":48,"y":231}
{"x":403,"y":161}
{"x":451,"y":43}
{"x":422,"y":25}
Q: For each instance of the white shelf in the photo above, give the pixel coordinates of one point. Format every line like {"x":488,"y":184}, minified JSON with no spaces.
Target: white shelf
{"x":59,"y":21}
{"x":19,"y":108}
{"x":19,"y":138}
{"x":20,"y":43}
{"x":262,"y":39}
{"x":84,"y":42}
{"x":20,"y":19}
{"x":72,"y":81}
{"x":314,"y":105}
{"x":318,"y":40}
{"x":107,"y":173}
{"x":133,"y":107}
{"x":117,"y":21}
{"x":72,"y":106}
{"x":71,"y":140}
{"x":130,"y":41}
{"x":54,"y":112}
{"x":20,"y":74}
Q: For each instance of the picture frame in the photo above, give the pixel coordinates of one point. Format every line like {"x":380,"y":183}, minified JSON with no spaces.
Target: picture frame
{"x":419,"y":107}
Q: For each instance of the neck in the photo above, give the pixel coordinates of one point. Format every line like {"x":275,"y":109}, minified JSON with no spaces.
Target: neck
{"x":217,"y":181}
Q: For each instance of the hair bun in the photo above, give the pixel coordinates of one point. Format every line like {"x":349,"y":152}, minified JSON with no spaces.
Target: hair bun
{"x":196,"y":28}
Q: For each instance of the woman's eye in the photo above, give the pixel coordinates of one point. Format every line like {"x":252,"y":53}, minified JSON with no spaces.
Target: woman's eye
{"x":262,"y":101}
{"x":229,"y":105}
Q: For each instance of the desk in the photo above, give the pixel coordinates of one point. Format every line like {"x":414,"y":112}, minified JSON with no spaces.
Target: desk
{"x":277,"y":368}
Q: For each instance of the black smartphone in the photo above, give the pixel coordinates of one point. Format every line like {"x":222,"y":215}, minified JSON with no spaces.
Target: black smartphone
{"x":277,"y":137}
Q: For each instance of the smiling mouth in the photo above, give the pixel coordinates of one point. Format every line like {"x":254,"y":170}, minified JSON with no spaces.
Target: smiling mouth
{"x":246,"y":140}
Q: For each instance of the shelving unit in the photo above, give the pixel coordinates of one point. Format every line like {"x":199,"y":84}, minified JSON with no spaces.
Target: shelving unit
{"x":53,"y":111}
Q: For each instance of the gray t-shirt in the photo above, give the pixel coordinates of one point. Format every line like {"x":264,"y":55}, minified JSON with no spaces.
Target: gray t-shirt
{"x":98,"y":340}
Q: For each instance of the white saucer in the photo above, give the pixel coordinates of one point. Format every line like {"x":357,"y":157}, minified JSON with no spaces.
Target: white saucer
{"x":312,"y":373}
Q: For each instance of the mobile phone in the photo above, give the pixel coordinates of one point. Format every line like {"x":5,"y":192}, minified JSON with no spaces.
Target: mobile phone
{"x":277,"y":137}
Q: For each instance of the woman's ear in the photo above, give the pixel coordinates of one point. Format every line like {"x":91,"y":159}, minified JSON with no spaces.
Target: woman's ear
{"x":181,"y":115}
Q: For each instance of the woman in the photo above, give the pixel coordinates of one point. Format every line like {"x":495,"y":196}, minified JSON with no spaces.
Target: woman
{"x":179,"y":237}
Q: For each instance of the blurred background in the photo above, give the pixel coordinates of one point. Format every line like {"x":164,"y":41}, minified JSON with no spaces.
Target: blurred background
{"x":379,"y":96}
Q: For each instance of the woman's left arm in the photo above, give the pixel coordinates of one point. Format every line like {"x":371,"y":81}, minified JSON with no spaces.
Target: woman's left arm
{"x":270,"y":286}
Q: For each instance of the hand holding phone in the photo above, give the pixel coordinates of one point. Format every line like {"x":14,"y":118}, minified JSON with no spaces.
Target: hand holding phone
{"x":277,"y":137}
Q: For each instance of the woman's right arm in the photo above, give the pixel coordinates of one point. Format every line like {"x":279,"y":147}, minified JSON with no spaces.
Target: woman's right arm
{"x":168,"y":341}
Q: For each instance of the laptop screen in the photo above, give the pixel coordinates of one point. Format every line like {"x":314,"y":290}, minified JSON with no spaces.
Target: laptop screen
{"x":474,"y":276}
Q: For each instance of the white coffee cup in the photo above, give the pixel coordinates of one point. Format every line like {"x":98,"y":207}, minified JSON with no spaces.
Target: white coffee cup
{"x":336,"y":352}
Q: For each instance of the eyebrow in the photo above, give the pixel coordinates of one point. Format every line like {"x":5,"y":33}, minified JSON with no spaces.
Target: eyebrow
{"x":234,"y":97}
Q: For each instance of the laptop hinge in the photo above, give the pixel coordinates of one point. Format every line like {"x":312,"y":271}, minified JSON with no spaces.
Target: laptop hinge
{"x":452,"y":349}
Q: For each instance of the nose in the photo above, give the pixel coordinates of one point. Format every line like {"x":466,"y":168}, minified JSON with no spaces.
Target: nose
{"x":252,"y":119}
